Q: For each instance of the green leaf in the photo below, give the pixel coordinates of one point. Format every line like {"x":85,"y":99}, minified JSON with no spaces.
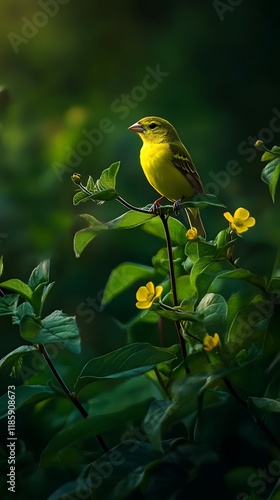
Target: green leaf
{"x":270,"y":155}
{"x":39,"y":296}
{"x":185,"y":471}
{"x":15,"y":355}
{"x":8,"y":304}
{"x":66,"y":440}
{"x":123,"y":276}
{"x":202,"y":201}
{"x":185,"y":291}
{"x":205,"y":271}
{"x":158,"y":413}
{"x":177,"y":230}
{"x":90,"y":184}
{"x":26,"y":395}
{"x":24,"y":309}
{"x":129,"y":458}
{"x":57,"y":327}
{"x":240,"y":273}
{"x":17,"y":286}
{"x":81,"y":240}
{"x":129,"y":361}
{"x":100,"y":195}
{"x":109,"y":176}
{"x":30,"y":327}
{"x":274,"y":181}
{"x":79,"y":197}
{"x":213,"y":312}
{"x":270,"y":176}
{"x":72,"y":489}
{"x":162,"y":415}
{"x":60,"y":327}
{"x":103,"y":189}
{"x":199,"y":249}
{"x":1,"y":265}
{"x":128,"y":220}
{"x":250,"y":323}
{"x":39,"y":275}
{"x":274,"y":290}
{"x":266,"y":404}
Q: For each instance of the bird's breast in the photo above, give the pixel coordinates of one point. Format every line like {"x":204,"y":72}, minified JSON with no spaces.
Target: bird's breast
{"x":156,"y":162}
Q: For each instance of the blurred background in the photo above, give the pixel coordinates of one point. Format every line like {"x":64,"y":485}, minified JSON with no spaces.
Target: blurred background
{"x":74,"y":76}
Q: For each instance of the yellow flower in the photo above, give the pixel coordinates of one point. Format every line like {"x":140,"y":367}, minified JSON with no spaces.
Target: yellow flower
{"x":192,"y":233}
{"x":146,"y":295}
{"x":240,"y":221}
{"x":210,"y":343}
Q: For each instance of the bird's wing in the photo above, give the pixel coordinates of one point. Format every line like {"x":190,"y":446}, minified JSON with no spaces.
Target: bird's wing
{"x":182,"y":160}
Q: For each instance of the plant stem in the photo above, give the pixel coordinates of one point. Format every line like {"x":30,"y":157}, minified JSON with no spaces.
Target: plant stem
{"x":131,"y":207}
{"x":118,"y":198}
{"x":161,"y":332}
{"x":160,"y":379}
{"x":164,"y":220}
{"x":68,"y":393}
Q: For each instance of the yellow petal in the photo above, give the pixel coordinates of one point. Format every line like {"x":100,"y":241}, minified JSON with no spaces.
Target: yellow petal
{"x":233,"y":226}
{"x":210,"y":343}
{"x":216,"y":338}
{"x":241,"y":229}
{"x":150,"y":287}
{"x":241,"y":214}
{"x":145,"y":304}
{"x":250,"y":222}
{"x":158,"y":292}
{"x":228,"y":216}
{"x":142,"y":293}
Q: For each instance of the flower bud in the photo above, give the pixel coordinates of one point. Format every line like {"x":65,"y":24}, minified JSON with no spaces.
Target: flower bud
{"x":76,"y":178}
{"x":259,"y":145}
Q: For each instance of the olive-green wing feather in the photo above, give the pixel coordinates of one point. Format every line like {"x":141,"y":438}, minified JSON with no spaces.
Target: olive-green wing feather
{"x":182,"y":160}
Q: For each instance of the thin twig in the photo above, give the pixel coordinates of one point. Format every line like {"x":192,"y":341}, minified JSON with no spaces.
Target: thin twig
{"x":118,"y":198}
{"x":131,"y":207}
{"x":164,"y":220}
{"x":68,"y":393}
{"x":161,"y":332}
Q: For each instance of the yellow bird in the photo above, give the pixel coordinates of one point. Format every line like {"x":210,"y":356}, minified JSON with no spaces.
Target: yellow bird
{"x":167,"y":164}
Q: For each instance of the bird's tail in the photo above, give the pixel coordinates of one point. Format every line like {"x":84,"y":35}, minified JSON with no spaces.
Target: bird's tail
{"x":195,"y":220}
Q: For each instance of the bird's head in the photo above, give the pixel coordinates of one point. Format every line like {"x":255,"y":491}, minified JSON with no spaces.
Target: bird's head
{"x":154,"y":129}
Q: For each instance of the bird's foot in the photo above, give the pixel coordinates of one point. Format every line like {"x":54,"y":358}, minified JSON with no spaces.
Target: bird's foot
{"x":176,"y":206}
{"x":155,"y":208}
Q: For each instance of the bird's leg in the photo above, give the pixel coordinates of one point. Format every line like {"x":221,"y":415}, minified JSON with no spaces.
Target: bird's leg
{"x":176,"y":206}
{"x":155,"y":206}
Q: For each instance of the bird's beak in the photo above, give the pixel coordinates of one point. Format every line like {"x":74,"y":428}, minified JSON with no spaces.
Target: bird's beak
{"x":136,"y":127}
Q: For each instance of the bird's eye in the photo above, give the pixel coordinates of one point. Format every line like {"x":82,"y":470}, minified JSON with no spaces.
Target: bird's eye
{"x":152,"y":125}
